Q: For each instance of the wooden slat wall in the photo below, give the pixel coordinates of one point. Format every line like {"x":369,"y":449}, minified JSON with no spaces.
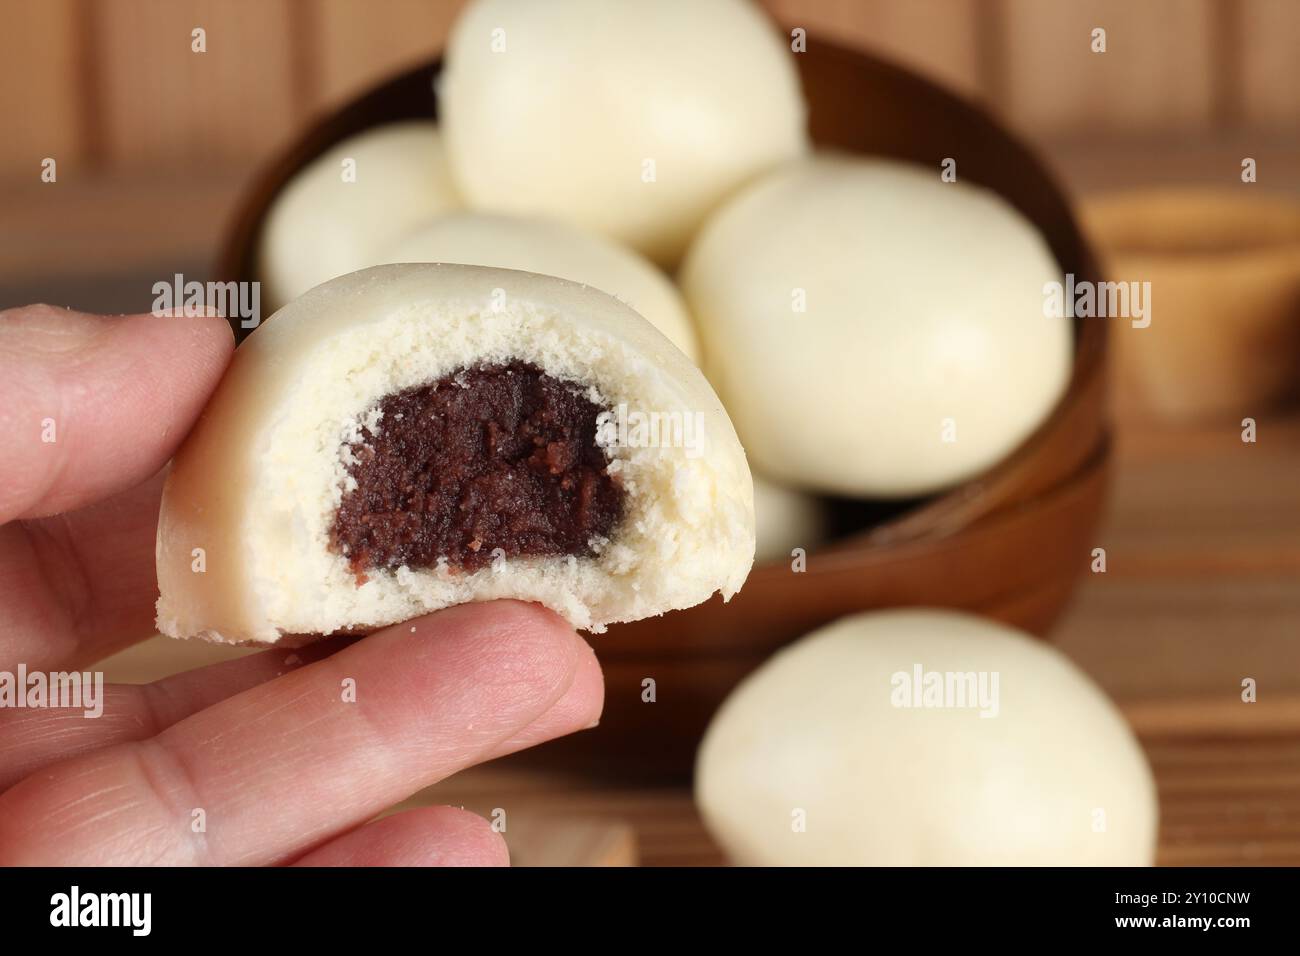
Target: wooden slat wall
{"x":40,"y":81}
{"x":1157,"y":74}
{"x":1270,"y":64}
{"x":362,"y":43}
{"x":939,"y":37}
{"x":165,"y":105}
{"x":115,"y":85}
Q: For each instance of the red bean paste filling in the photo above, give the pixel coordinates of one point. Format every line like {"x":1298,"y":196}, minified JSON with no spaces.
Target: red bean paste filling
{"x":499,"y":456}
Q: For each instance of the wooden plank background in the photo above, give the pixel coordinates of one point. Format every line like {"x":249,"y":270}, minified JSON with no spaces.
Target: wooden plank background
{"x":116,"y":87}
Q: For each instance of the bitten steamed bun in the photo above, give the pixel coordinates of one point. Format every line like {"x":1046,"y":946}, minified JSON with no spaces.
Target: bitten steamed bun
{"x":835,"y":753}
{"x":409,"y":437}
{"x":331,"y":219}
{"x":873,"y":330}
{"x":553,"y":248}
{"x":633,"y":119}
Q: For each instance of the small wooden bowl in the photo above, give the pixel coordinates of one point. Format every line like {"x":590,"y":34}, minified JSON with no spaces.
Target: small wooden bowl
{"x":1009,"y":544}
{"x":1224,"y":268}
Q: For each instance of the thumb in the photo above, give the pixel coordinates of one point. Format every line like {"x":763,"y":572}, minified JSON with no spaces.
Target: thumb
{"x":91,"y":405}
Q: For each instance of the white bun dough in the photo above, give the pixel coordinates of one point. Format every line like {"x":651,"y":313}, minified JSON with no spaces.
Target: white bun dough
{"x":1054,"y":777}
{"x":922,"y":356}
{"x":321,"y":226}
{"x":553,"y":248}
{"x":258,"y":481}
{"x":586,"y":93}
{"x":785,"y":519}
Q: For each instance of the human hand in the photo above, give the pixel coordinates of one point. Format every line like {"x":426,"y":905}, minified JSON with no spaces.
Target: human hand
{"x":283,"y":765}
